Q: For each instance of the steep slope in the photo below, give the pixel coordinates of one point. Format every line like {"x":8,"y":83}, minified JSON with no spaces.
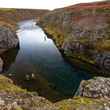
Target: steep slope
{"x":82,"y":31}
{"x":8,"y":37}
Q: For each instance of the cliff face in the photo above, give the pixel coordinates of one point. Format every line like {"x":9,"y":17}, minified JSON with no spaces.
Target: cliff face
{"x":83,"y":32}
{"x":95,"y":88}
{"x":8,"y":37}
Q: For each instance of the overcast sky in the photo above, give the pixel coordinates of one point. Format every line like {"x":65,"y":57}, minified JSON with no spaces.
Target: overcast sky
{"x":40,"y":4}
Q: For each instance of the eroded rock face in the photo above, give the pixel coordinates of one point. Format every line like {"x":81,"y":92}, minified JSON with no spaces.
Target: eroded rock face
{"x":95,"y":88}
{"x":8,"y":39}
{"x":82,"y":31}
{"x":90,"y":41}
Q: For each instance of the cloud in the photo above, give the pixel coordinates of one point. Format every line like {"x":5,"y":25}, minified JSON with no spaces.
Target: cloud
{"x":39,"y":4}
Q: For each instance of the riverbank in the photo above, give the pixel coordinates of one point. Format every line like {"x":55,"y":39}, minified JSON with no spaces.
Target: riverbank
{"x":13,"y":97}
{"x":54,"y":75}
{"x":8,"y":37}
{"x":76,"y":61}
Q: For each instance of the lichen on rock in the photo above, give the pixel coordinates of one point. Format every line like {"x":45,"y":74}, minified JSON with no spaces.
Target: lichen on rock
{"x":82,"y":103}
{"x":98,"y":87}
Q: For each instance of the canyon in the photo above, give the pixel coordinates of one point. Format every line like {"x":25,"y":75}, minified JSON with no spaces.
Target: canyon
{"x":81,"y":32}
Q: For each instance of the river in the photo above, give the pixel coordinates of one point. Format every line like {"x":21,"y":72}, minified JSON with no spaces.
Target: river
{"x":39,"y":66}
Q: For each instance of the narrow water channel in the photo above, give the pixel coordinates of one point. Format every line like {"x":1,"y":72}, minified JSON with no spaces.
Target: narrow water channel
{"x":39,"y":66}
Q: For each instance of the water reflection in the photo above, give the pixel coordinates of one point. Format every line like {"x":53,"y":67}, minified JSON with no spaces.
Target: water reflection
{"x":8,"y":57}
{"x":39,"y":65}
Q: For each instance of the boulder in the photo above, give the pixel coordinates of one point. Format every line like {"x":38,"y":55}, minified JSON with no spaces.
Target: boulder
{"x":8,"y":39}
{"x":98,"y":87}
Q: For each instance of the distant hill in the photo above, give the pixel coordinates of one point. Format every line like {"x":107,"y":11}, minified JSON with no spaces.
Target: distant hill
{"x":21,"y":14}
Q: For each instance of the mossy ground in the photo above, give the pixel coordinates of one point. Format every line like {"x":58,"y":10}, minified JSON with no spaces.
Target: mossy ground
{"x":7,"y":85}
{"x":56,"y":35}
{"x":80,"y":103}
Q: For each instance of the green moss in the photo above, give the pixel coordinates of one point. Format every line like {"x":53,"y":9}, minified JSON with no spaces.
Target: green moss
{"x":80,"y":56}
{"x":76,"y":103}
{"x":103,"y":10}
{"x":56,"y":35}
{"x":18,"y":108}
{"x":7,"y":10}
{"x":83,"y":40}
{"x":7,"y":85}
{"x":103,"y":45}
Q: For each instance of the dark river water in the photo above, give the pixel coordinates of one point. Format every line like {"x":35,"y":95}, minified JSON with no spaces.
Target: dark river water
{"x":39,"y":66}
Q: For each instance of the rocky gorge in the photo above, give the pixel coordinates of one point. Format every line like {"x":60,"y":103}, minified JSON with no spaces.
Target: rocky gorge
{"x":82,"y":33}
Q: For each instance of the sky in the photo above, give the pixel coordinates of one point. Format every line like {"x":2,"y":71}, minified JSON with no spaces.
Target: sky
{"x":40,"y":4}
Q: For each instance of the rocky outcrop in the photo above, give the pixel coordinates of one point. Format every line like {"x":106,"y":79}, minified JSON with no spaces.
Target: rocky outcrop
{"x":13,"y":97}
{"x":82,"y":31}
{"x":8,"y":39}
{"x":23,"y":102}
{"x":81,"y":103}
{"x":95,"y":88}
